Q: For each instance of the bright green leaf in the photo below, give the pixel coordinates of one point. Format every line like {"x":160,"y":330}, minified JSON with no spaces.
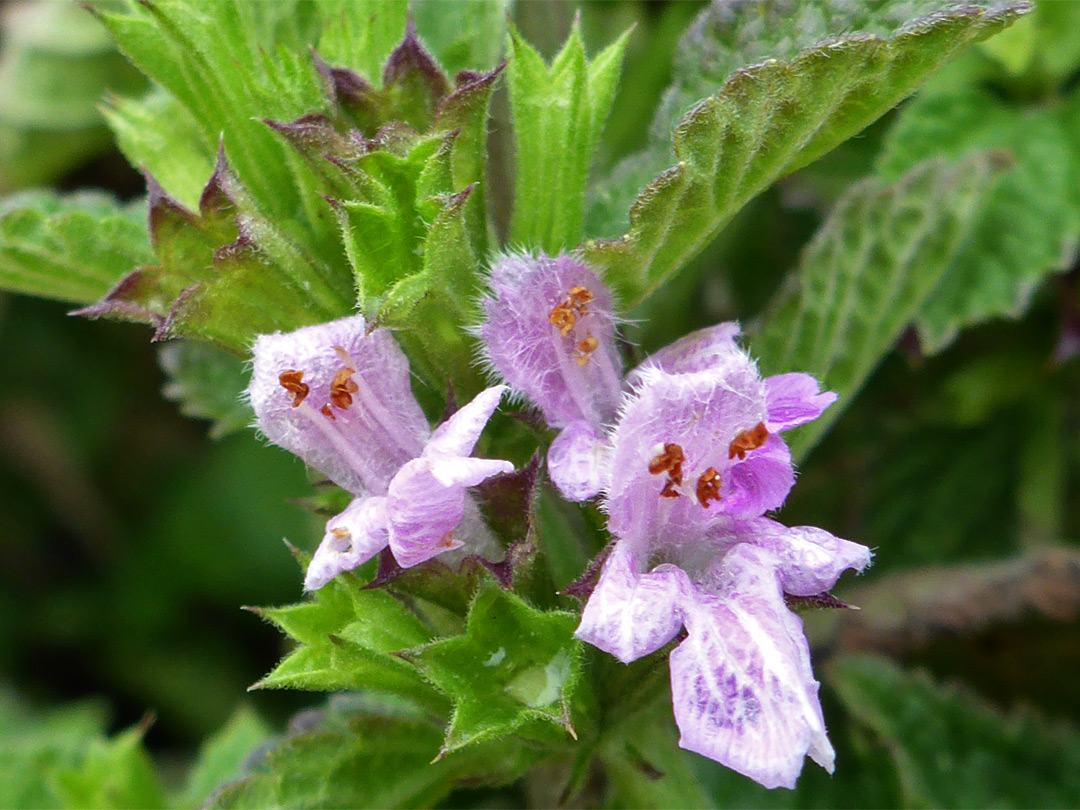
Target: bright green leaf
{"x":158,"y":135}
{"x":345,"y":634}
{"x":951,"y":749}
{"x":767,"y":119}
{"x":55,"y":65}
{"x":868,"y":273}
{"x":73,"y":248}
{"x":360,"y":34}
{"x":513,"y":666}
{"x":115,"y":773}
{"x":558,"y":115}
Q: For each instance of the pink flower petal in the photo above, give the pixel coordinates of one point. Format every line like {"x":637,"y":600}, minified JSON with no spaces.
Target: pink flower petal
{"x":742,"y":688}
{"x":352,"y":538}
{"x":795,"y":399}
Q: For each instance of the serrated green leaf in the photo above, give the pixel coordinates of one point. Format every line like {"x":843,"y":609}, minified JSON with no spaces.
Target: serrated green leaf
{"x":211,"y":281}
{"x":868,"y":273}
{"x":206,"y":383}
{"x":1021,"y":234}
{"x":951,"y":749}
{"x":158,"y":134}
{"x":221,"y":758}
{"x":558,"y":115}
{"x":345,"y":634}
{"x":769,"y":119}
{"x":231,"y":64}
{"x":71,"y":248}
{"x":514,"y":665}
{"x":367,"y":754}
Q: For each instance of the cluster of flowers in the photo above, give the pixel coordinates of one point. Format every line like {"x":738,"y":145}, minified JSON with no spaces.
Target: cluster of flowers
{"x":683,"y":450}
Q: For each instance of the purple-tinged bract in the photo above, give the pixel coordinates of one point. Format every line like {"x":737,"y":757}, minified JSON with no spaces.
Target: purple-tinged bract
{"x":339,"y":397}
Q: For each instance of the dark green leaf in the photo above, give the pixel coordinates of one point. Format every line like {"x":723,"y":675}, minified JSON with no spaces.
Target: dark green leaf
{"x":222,"y":757}
{"x":866,"y":275}
{"x":1021,"y":232}
{"x":207,"y":383}
{"x":763,"y":121}
{"x":365,"y":753}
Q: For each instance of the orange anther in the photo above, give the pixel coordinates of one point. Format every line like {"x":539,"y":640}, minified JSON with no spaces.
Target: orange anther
{"x":708,"y":486}
{"x":578,"y":297}
{"x":342,"y":389}
{"x":563,"y":319}
{"x":669,"y":490}
{"x":669,"y":461}
{"x":748,"y":440}
{"x":291,"y":382}
{"x":325,"y":411}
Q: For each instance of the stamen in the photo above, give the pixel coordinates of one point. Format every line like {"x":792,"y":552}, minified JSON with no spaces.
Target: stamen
{"x":346,"y":358}
{"x":291,"y":381}
{"x":586,"y":347}
{"x":669,"y":490}
{"x":563,"y":319}
{"x":748,"y":440}
{"x":342,"y":389}
{"x":669,"y":461}
{"x":325,"y":411}
{"x":578,"y":297}
{"x":708,"y":487}
{"x":342,"y":539}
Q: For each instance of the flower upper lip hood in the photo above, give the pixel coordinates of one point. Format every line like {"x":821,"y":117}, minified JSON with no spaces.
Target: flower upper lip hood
{"x":339,"y":396}
{"x":542,"y":315}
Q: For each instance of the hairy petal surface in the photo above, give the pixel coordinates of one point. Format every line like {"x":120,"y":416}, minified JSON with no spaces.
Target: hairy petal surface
{"x":458,"y":435}
{"x":631,"y":614}
{"x":352,"y":538}
{"x":701,"y":413}
{"x":810,"y":560}
{"x":579,"y":462}
{"x":549,"y":331}
{"x":426,"y":503}
{"x":742,"y":688}
{"x":713,"y":347}
{"x":339,"y":397}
